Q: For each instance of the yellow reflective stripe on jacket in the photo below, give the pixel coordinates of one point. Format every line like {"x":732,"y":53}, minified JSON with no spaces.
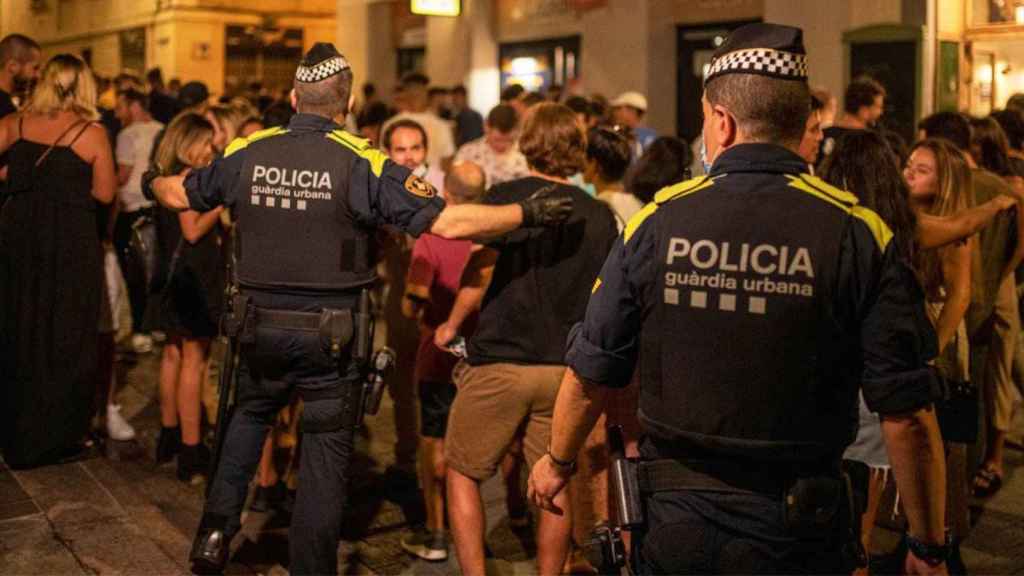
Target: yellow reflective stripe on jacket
{"x":664,"y":195}
{"x":240,"y":143}
{"x":361,"y":147}
{"x":846,"y":202}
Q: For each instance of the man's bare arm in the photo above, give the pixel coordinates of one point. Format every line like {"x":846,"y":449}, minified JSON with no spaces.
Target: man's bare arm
{"x":577,"y":408}
{"x":476,"y":221}
{"x":476,"y":278}
{"x":546,"y":207}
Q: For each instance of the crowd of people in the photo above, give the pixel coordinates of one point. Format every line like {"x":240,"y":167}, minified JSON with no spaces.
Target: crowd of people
{"x":76,"y":227}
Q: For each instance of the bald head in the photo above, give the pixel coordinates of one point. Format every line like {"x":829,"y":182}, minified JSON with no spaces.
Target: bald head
{"x":465,"y":183}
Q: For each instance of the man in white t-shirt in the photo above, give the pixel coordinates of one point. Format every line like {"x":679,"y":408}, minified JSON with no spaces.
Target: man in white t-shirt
{"x":497,"y":152}
{"x":413,"y":105}
{"x":134,"y":148}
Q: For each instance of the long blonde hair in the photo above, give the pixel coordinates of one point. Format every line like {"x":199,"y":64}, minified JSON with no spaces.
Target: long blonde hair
{"x":954,"y":193}
{"x":182,"y":133}
{"x":66,"y":84}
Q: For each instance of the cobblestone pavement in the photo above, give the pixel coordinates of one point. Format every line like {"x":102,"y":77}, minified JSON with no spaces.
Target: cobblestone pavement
{"x":129,"y":516}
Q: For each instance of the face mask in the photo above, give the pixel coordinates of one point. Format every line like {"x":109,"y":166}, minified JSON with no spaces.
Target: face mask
{"x":578,"y":181}
{"x":704,"y":157}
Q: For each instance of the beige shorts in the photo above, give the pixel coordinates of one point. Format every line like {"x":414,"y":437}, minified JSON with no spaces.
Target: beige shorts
{"x":492,"y":403}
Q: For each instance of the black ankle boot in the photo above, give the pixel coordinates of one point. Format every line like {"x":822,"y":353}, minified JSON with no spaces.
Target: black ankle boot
{"x":193,"y":461}
{"x":168,"y":444}
{"x":209,"y":553}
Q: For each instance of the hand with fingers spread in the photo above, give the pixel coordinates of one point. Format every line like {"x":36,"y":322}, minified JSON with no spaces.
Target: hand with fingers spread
{"x":546,"y":207}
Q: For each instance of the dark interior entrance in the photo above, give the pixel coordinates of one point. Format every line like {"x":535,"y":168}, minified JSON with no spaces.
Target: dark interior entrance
{"x":695,"y":45}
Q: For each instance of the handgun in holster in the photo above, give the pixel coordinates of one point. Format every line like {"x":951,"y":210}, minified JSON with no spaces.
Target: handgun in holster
{"x":823,"y":504}
{"x":606,"y":550}
{"x":374,"y":367}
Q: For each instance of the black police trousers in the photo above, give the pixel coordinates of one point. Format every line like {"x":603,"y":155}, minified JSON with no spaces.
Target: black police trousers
{"x":703,"y":532}
{"x":269,"y":369}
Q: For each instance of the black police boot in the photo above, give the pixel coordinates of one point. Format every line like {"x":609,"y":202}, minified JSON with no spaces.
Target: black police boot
{"x":209,"y":553}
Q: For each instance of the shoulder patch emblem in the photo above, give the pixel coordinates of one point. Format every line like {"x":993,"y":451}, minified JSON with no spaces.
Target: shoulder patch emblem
{"x":419,"y":187}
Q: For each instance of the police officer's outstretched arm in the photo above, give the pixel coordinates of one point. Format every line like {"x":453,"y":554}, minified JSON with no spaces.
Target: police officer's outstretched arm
{"x":544,"y":208}
{"x":383,"y":192}
{"x":202,"y":189}
{"x":897,"y":341}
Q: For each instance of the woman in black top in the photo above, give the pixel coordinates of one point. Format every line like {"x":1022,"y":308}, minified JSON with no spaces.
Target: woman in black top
{"x":51,"y":265}
{"x":190,"y":299}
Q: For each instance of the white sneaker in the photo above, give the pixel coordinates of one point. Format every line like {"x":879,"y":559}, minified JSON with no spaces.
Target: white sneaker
{"x":142,"y":344}
{"x":117,"y":427}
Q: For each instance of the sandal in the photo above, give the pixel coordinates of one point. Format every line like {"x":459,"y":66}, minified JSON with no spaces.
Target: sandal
{"x":986,"y":482}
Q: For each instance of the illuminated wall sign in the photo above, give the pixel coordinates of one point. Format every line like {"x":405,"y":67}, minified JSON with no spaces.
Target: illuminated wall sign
{"x":436,"y":7}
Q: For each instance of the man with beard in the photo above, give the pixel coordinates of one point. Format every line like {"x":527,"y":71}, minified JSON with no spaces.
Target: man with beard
{"x":19,"y":68}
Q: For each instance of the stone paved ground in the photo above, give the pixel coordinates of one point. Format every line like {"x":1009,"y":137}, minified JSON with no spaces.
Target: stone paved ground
{"x":102,"y":516}
{"x":105,"y":516}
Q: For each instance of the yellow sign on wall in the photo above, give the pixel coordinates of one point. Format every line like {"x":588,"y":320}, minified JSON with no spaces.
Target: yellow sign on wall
{"x":436,"y":7}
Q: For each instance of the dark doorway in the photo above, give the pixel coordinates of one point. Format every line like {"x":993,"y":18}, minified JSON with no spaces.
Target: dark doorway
{"x":537,"y":65}
{"x":411,"y":60}
{"x":893,"y":64}
{"x":695,"y":45}
{"x":264,"y":55}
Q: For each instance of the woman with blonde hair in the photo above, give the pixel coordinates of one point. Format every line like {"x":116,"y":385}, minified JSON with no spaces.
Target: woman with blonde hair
{"x":939,"y":181}
{"x":192,"y":287}
{"x":51,"y":265}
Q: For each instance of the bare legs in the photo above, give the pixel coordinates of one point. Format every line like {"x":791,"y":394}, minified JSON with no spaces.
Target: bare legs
{"x":466,"y":515}
{"x":432,"y":475}
{"x":182,"y":368}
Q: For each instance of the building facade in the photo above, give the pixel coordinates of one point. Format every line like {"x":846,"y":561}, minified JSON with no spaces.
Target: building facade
{"x":220,"y":42}
{"x":931,"y":54}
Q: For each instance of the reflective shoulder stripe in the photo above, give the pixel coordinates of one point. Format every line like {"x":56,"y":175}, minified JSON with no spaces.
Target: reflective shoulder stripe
{"x":634,"y":223}
{"x":666,"y":194}
{"x":803,"y":186}
{"x":361,"y":147}
{"x":240,"y":143}
{"x":825,"y":187}
{"x":879,"y":229}
{"x":681,"y":189}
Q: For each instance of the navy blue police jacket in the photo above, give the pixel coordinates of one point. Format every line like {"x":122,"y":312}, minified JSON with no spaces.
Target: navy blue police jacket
{"x":755,"y":302}
{"x":308,"y":199}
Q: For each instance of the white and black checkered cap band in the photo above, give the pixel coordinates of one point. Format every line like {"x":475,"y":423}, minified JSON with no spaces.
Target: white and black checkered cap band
{"x":323,"y":70}
{"x":766,"y":61}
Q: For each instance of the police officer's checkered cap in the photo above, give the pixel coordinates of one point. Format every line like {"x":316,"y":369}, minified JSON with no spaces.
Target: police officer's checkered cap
{"x":766,"y":49}
{"x":765,"y":61}
{"x":321,"y":62}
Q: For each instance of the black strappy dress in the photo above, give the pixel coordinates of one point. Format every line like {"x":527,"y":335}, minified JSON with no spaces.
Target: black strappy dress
{"x":50,"y":288}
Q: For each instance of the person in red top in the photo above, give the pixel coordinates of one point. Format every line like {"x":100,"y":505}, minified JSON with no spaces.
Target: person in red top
{"x":432,"y":283}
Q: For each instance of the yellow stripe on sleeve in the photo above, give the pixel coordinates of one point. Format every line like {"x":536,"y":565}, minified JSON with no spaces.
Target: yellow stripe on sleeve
{"x":361,"y":147}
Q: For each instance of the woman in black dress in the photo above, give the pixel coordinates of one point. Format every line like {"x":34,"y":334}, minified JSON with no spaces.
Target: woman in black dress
{"x":191,"y":298}
{"x":51,"y":265}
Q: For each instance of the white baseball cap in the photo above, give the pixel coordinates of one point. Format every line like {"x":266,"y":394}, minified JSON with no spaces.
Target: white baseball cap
{"x":633,"y":99}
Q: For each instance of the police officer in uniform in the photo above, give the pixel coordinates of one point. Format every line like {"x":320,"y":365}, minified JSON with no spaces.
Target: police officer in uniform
{"x":308,"y":198}
{"x":758,"y":300}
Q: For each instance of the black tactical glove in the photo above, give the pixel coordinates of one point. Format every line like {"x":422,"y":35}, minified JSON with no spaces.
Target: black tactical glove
{"x":147,"y":182}
{"x":546,"y":207}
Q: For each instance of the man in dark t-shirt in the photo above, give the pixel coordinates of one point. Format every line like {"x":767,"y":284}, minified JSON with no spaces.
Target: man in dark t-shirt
{"x":863,"y":105}
{"x":536,"y":284}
